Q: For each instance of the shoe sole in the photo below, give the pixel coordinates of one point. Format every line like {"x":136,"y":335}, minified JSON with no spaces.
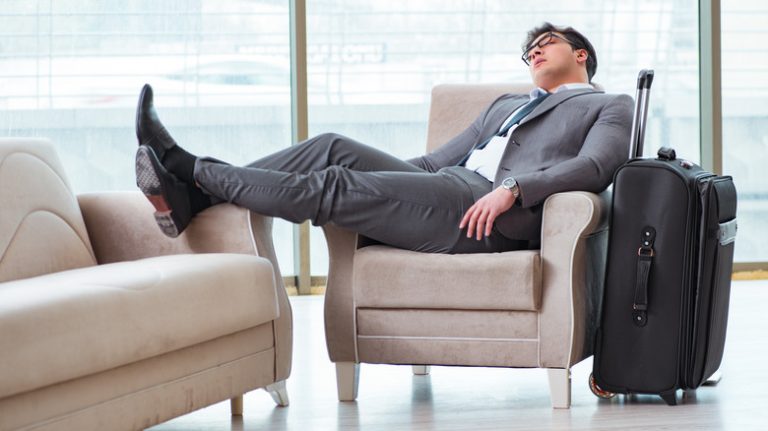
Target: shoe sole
{"x":149,"y":184}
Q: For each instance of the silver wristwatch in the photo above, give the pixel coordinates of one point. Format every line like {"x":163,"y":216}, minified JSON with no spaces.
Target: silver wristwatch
{"x":510,"y":184}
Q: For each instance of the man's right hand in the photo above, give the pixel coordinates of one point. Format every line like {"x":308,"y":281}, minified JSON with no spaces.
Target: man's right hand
{"x":480,"y":216}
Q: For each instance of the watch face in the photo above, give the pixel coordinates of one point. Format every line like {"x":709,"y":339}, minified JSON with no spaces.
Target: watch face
{"x":508,"y":183}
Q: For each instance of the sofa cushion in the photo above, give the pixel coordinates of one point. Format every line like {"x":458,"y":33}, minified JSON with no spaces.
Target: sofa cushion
{"x":386,"y":277}
{"x":74,"y":323}
{"x":41,"y":228}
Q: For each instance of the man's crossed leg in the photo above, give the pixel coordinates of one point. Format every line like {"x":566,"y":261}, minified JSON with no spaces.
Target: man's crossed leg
{"x":326,"y":179}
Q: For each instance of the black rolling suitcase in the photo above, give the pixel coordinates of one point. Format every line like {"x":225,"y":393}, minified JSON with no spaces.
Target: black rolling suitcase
{"x":667,"y":285}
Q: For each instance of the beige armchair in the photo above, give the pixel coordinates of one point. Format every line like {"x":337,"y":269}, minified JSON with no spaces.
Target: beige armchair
{"x":521,"y":309}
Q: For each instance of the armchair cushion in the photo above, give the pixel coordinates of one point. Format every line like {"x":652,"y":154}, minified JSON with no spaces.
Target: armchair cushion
{"x":386,"y":277}
{"x":74,"y":323}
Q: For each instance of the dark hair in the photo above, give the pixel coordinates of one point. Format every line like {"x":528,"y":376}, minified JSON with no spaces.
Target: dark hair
{"x":578,"y":41}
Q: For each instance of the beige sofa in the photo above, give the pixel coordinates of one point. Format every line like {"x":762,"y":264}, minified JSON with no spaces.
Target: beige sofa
{"x":529,"y":309}
{"x":107,"y":324}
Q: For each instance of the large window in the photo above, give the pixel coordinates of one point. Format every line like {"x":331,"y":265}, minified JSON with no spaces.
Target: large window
{"x":745,"y":120}
{"x":372,"y":64}
{"x":71,"y":71}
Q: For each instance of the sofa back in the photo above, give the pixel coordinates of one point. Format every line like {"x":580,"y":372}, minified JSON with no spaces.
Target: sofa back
{"x":41,"y":227}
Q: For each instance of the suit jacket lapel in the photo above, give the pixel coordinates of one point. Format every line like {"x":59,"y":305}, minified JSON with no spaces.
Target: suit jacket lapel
{"x":554,"y":100}
{"x":494,"y":122}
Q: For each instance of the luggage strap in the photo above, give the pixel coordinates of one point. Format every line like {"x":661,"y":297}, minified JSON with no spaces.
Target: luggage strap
{"x":644,"y":259}
{"x":726,"y":232}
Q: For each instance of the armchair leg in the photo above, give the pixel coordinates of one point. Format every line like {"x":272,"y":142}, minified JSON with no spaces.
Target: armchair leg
{"x":236,"y":404}
{"x":347,"y":380}
{"x":560,"y":387}
{"x":279,"y":393}
{"x":421,"y":370}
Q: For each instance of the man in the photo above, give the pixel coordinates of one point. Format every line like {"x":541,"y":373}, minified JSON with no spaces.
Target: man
{"x":482,"y":191}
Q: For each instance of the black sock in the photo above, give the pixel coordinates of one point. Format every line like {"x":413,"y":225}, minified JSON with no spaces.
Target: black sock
{"x":197,"y":199}
{"x":180,"y":163}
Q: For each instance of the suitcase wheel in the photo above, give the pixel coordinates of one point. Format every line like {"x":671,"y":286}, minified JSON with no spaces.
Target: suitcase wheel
{"x":600,"y":393}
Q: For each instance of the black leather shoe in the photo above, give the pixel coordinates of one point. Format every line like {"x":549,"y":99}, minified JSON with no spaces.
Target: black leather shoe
{"x":169,"y":195}
{"x":149,"y":130}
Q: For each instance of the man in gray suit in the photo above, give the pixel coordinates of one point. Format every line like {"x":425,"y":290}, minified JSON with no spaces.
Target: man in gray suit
{"x":483,"y":191}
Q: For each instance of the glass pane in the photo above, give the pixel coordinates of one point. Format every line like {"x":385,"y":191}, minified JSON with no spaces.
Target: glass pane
{"x":71,"y":71}
{"x":745,"y":120}
{"x":372,"y":64}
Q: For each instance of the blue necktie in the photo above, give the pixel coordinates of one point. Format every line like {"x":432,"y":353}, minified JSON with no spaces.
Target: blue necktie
{"x":519,"y":115}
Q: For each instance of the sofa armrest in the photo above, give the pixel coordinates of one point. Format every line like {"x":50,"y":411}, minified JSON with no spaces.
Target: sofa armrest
{"x":574,"y":225}
{"x":339,"y":300}
{"x":121,"y":228}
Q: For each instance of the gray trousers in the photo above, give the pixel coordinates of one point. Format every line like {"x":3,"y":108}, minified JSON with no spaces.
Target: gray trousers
{"x":333,"y":179}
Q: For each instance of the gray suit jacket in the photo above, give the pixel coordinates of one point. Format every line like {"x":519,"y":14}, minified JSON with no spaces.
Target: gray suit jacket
{"x":574,"y":140}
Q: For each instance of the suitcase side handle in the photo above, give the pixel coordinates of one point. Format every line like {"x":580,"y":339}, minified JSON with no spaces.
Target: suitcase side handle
{"x":645,"y":255}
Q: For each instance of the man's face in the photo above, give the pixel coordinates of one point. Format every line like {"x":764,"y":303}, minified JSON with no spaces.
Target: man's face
{"x":552,"y":60}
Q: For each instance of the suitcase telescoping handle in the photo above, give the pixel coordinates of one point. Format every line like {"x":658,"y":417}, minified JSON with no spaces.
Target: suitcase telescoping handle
{"x":644,"y":81}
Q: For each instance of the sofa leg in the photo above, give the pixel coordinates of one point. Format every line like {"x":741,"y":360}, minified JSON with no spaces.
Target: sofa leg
{"x":237,"y":405}
{"x":421,"y":370}
{"x":560,"y":387}
{"x":347,"y":380}
{"x":279,"y":393}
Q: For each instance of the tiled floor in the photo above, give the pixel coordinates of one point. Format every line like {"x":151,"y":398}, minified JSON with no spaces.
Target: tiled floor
{"x":453,"y":398}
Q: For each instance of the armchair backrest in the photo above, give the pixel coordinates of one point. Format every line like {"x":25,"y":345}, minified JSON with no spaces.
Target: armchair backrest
{"x":41,"y":227}
{"x":454,"y":106}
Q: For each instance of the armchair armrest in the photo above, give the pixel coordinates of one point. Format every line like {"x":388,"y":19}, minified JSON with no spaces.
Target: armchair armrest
{"x":573,"y":252}
{"x":339,"y":300}
{"x":121,"y":227}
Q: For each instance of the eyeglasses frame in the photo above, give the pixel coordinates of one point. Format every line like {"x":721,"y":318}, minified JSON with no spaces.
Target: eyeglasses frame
{"x":548,"y":38}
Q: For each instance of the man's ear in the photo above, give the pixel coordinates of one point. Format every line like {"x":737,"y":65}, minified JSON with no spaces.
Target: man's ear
{"x":582,"y":55}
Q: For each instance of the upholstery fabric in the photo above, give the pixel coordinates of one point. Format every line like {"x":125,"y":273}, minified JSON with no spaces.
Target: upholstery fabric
{"x":41,"y":229}
{"x":574,"y":221}
{"x":479,"y":324}
{"x":221,"y":228}
{"x":216,"y":230}
{"x":386,"y":277}
{"x":437,"y":351}
{"x":81,"y":400}
{"x":74,"y":323}
{"x":455,"y":106}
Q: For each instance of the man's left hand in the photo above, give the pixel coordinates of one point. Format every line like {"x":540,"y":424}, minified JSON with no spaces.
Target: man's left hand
{"x":479,"y":217}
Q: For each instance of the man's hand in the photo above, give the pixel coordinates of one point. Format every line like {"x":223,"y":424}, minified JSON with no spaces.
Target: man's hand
{"x":480,"y":216}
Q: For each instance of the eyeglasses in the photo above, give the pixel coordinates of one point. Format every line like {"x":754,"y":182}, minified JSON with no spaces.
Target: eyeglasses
{"x":544,"y":41}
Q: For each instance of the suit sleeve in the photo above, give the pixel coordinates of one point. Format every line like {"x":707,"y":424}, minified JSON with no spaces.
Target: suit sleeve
{"x":451,"y":153}
{"x":605,"y":148}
